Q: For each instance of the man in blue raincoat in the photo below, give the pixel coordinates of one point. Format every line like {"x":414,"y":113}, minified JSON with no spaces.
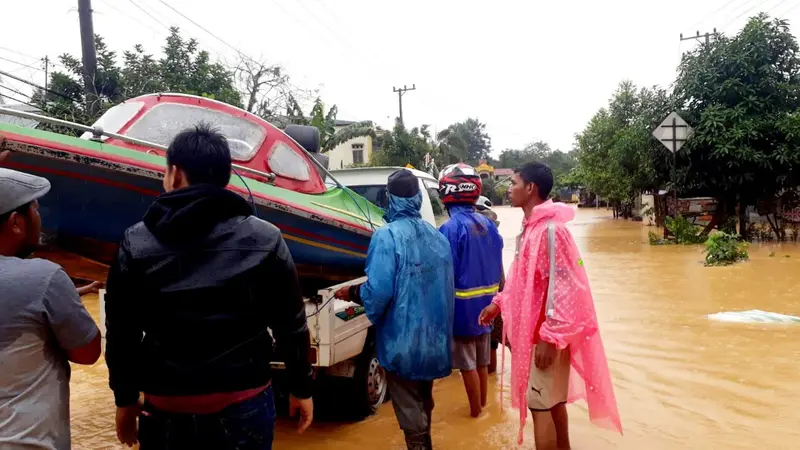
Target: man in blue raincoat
{"x":409,"y":298}
{"x":477,"y":250}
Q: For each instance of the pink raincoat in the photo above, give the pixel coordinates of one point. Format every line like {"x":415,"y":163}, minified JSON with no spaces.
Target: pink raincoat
{"x":571,"y":321}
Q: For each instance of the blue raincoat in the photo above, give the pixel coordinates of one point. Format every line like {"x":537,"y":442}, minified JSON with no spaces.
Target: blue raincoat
{"x":409,"y":293}
{"x":478,"y":264}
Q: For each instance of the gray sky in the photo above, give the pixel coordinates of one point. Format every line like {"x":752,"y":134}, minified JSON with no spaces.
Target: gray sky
{"x":529,"y":70}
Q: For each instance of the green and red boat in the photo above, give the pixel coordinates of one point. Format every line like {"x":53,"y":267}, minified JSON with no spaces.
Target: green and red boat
{"x":103,"y":181}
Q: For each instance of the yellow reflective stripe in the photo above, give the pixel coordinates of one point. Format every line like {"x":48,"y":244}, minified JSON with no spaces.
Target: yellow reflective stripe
{"x":476,"y":292}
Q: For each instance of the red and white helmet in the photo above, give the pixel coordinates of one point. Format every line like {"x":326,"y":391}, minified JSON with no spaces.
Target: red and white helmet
{"x":459,"y":183}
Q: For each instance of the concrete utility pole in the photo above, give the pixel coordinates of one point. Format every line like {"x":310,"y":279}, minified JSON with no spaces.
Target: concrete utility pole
{"x":698,"y":36}
{"x":89,"y":56}
{"x":400,"y":92}
{"x":46,"y":62}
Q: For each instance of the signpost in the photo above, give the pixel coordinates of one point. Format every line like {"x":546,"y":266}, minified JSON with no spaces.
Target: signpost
{"x":673,"y":133}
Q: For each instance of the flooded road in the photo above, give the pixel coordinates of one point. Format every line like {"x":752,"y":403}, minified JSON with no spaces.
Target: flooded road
{"x":681,"y":381}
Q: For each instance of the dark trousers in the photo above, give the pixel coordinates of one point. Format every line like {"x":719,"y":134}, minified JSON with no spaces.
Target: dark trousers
{"x":248,"y":425}
{"x":413,"y":405}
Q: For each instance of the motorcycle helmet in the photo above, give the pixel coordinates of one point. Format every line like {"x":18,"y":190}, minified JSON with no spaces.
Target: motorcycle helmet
{"x":483,"y":203}
{"x":459,"y":183}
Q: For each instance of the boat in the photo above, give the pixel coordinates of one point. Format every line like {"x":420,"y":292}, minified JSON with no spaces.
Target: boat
{"x":103,"y":181}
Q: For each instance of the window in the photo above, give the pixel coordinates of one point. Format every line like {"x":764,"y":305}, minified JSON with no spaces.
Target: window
{"x":358,"y":156}
{"x":286,"y":162}
{"x":376,"y":194}
{"x":161,"y":124}
{"x":358,"y":146}
{"x":115,"y":118}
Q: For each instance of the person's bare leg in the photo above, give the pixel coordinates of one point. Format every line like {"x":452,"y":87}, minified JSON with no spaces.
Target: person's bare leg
{"x":473,"y":387}
{"x":561,"y":422}
{"x":542,"y":430}
{"x":483,"y":376}
{"x":493,"y":361}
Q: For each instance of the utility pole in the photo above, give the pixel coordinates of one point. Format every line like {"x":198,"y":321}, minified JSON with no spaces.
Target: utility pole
{"x":46,"y":61}
{"x":400,"y":92}
{"x":89,"y":56}
{"x":707,"y":36}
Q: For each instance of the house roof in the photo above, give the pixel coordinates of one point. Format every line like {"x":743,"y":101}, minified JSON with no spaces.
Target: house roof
{"x":503,"y":172}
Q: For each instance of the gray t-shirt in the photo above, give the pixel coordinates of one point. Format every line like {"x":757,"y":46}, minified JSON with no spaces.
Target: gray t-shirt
{"x":41,"y":315}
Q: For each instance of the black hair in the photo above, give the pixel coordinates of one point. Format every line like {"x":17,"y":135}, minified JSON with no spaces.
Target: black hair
{"x":203,"y":153}
{"x":24,"y":209}
{"x":538,"y":174}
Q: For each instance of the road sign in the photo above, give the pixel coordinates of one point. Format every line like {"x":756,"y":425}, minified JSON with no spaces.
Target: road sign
{"x":673,"y":132}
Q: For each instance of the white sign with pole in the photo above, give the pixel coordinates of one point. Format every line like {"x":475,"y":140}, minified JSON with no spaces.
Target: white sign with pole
{"x":673,"y":132}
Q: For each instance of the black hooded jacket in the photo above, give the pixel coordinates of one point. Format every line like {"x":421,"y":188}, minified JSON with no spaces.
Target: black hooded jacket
{"x":191,"y":296}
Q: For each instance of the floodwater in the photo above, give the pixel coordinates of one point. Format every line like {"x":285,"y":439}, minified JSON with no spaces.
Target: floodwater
{"x":682,"y":381}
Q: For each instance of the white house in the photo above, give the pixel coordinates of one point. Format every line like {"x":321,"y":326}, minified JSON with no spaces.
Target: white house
{"x":355,"y":151}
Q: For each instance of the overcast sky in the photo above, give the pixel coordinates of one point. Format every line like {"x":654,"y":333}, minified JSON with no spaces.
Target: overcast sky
{"x":530,"y":70}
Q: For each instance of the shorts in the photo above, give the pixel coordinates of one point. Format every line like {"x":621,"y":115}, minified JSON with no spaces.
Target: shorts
{"x":548,"y":388}
{"x":471,"y":352}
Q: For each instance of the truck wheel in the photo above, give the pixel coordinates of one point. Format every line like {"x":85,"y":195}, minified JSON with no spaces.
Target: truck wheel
{"x":371,"y":386}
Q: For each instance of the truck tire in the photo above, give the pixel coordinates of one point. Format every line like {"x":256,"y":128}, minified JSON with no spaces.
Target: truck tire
{"x":369,"y":383}
{"x":306,"y":136}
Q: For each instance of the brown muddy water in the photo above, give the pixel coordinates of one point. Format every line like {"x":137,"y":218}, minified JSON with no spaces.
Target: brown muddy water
{"x":682,"y":381}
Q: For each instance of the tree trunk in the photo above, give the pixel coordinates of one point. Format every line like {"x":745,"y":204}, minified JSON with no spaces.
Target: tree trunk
{"x":742,"y":218}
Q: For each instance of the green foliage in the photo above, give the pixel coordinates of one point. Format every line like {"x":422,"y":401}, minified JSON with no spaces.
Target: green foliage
{"x":741,"y":94}
{"x":465,"y":141}
{"x":724,"y":249}
{"x":325,"y":122}
{"x":617,"y":156}
{"x":656,"y":239}
{"x":402,"y":146}
{"x":437,"y":205}
{"x":684,"y":231}
{"x":562,"y":164}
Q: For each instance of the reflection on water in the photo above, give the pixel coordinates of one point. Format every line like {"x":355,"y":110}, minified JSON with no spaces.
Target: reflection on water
{"x":682,"y":381}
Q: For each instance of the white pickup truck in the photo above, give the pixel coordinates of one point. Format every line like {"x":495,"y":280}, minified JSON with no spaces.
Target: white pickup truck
{"x":343,"y":345}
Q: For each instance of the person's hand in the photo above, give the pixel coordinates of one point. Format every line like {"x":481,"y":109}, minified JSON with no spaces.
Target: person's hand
{"x":488,"y":315}
{"x":127,"y":429}
{"x":92,"y":288}
{"x":305,"y":408}
{"x":545,"y":355}
{"x":343,"y":294}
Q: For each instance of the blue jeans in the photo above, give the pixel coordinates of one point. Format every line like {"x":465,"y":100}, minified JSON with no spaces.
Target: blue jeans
{"x":248,"y":425}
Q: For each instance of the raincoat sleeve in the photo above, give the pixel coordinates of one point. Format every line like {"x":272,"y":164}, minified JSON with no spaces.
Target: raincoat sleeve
{"x":377,"y":293}
{"x":569,"y":309}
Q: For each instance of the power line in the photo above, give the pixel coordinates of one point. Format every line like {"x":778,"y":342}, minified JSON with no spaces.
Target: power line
{"x":713,"y":13}
{"x":133,"y":2}
{"x":20,"y":64}
{"x":730,"y":22}
{"x":18,"y":101}
{"x":207,"y":31}
{"x":130,"y":16}
{"x":37,"y":86}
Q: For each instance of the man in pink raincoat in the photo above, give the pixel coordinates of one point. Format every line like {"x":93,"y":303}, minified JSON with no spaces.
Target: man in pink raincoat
{"x":549,"y":317}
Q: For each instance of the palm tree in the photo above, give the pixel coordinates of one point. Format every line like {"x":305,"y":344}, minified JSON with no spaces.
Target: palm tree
{"x":325,"y":122}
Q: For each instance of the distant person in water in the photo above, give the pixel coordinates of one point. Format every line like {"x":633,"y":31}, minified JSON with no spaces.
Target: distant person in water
{"x":190,"y":300}
{"x":477,"y":251}
{"x":549,"y":317}
{"x":409,"y":297}
{"x":43,"y":325}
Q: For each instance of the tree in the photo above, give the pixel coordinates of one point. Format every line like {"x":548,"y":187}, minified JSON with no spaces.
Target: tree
{"x":402,"y":146}
{"x":465,"y":141}
{"x":267,"y":90}
{"x":617,"y":156}
{"x":559,"y":162}
{"x":330,"y":137}
{"x":741,"y":94}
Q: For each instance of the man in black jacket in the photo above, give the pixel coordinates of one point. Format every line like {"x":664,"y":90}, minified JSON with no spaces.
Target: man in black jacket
{"x":189,"y":301}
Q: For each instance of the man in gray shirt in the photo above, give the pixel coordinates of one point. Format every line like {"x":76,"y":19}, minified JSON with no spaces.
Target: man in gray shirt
{"x":43,"y":325}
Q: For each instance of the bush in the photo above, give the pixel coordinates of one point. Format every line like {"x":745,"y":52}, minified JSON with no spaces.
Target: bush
{"x":685,"y":232}
{"x":723,"y":249}
{"x":656,"y":239}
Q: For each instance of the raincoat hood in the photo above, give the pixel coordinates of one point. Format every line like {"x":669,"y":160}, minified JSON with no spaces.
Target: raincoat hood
{"x":550,"y":210}
{"x":403,"y":207}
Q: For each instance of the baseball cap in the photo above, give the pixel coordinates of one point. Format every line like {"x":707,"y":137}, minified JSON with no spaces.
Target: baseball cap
{"x":403,"y":183}
{"x":18,"y":188}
